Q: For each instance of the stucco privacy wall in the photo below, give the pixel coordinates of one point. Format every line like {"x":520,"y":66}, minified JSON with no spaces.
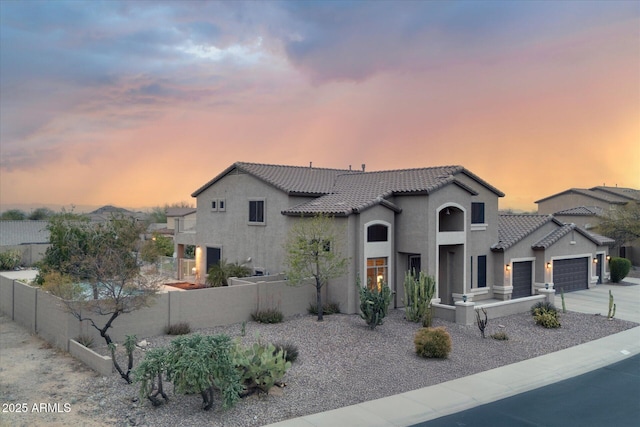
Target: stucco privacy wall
{"x":44,"y":314}
{"x":31,"y":253}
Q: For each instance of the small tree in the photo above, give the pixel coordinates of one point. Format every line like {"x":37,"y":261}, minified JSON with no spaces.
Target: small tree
{"x":622,"y":224}
{"x":13,"y":215}
{"x":40,"y":214}
{"x":313,"y":251}
{"x":104,"y":257}
{"x":197,"y":364}
{"x":155,"y":248}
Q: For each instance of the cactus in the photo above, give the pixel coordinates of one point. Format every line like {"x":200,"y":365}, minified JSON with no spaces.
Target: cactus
{"x":418,"y":293}
{"x":374,"y":304}
{"x":262,"y":366}
{"x":612,"y":307}
{"x":482,"y":324}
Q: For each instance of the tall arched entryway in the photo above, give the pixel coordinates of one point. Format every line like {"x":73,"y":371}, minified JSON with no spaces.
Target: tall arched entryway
{"x":451,"y":240}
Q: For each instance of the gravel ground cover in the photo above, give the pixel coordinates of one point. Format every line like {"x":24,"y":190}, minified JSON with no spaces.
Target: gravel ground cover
{"x":342,"y":362}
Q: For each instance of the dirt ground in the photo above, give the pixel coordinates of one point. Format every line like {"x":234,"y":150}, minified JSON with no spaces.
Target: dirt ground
{"x":40,"y":385}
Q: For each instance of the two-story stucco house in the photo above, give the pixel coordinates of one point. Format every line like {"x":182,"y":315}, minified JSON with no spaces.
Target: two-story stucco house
{"x":443,"y":221}
{"x":585,"y":206}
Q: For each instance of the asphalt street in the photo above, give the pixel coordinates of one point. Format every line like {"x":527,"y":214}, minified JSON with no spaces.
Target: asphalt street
{"x":608,"y":396}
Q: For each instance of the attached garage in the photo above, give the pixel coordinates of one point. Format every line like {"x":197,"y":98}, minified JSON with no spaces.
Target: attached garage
{"x":571,"y":274}
{"x":522,"y":279}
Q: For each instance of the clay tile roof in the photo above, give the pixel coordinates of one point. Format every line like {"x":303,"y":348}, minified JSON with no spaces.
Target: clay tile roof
{"x":603,"y":240}
{"x":14,"y":233}
{"x":581,"y":211}
{"x":297,"y":180}
{"x":356,"y":191}
{"x":342,"y":191}
{"x":513,"y":228}
{"x":625,"y":193}
{"x":609,"y":197}
{"x":553,"y":237}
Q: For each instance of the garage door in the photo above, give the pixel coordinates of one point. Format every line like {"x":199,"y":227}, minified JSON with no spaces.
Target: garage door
{"x":571,"y":274}
{"x":521,"y":279}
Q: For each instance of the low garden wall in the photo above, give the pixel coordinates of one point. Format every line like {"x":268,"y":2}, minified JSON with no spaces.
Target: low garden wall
{"x":101,"y":364}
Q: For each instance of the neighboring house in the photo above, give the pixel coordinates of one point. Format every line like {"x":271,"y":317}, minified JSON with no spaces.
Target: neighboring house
{"x":536,"y":250}
{"x":181,"y":219}
{"x":178,"y":220}
{"x":107,"y":212}
{"x":31,"y":238}
{"x":585,"y":207}
{"x":443,"y":221}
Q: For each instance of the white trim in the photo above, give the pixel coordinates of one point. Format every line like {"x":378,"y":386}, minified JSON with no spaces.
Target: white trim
{"x":479,"y":227}
{"x":264,"y":210}
{"x":379,"y":250}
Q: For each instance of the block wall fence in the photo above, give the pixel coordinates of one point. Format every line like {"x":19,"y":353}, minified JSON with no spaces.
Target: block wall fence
{"x":44,"y":314}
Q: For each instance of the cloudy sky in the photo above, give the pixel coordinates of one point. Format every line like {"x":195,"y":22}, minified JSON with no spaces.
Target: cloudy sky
{"x":139,"y":103}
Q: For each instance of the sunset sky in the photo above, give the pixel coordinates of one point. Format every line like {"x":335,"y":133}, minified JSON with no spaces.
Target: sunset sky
{"x":139,"y":103}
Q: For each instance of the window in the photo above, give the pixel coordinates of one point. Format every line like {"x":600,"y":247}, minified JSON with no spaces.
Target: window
{"x":221,"y":205}
{"x":256,"y":211}
{"x":214,"y":205}
{"x":377,"y":271}
{"x":482,"y":271}
{"x":477,"y":213}
{"x":377,"y":233}
{"x":325,"y":245}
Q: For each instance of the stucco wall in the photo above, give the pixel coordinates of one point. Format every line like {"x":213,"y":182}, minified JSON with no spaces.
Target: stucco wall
{"x":230,"y":230}
{"x":44,"y":314}
{"x":568,"y":201}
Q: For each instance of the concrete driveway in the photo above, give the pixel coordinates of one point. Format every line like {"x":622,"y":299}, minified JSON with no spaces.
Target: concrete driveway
{"x":626,"y":296}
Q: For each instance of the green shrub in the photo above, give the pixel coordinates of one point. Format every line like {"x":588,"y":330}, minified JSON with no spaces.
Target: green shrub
{"x":543,"y":305}
{"x":290,"y":350}
{"x":433,"y":342}
{"x":546,"y":318}
{"x":201,"y":364}
{"x":619,"y":268}
{"x":10,"y":259}
{"x":328,"y":308}
{"x":181,"y":328}
{"x":149,"y":374}
{"x":374,"y":303}
{"x":85,"y":340}
{"x":220,"y":272}
{"x":545,"y":314}
{"x":272,"y":315}
{"x":500,"y":336}
{"x":261,"y":366}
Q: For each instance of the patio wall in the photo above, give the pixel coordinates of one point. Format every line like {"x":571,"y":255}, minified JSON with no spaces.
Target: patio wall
{"x":44,"y":314}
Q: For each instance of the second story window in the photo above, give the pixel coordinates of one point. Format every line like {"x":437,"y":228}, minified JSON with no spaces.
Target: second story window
{"x":377,"y":233}
{"x":477,"y":213}
{"x":256,"y":211}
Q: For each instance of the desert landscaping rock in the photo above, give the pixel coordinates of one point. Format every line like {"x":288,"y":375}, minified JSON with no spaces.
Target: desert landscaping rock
{"x":341,"y":362}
